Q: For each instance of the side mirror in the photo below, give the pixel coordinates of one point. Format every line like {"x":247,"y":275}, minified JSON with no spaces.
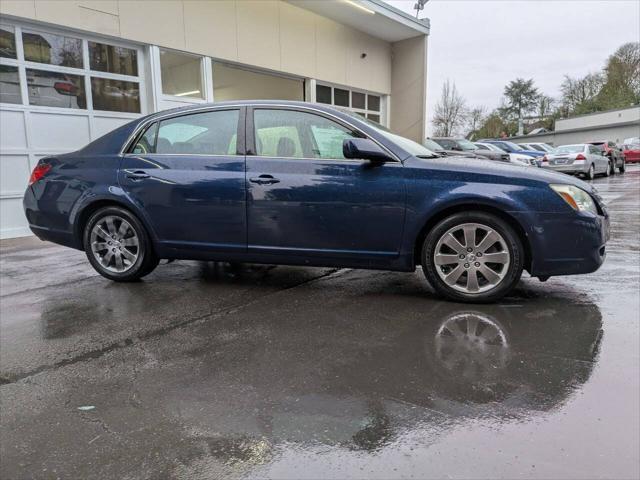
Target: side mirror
{"x":365,"y":149}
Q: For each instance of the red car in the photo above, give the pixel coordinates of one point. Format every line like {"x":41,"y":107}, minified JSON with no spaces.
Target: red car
{"x":631,"y":152}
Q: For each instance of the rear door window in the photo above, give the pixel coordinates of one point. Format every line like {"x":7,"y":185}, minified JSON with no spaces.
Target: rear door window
{"x":207,"y":133}
{"x":147,"y":142}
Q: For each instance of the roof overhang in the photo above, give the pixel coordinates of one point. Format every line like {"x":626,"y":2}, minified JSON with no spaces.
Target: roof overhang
{"x":374,"y":17}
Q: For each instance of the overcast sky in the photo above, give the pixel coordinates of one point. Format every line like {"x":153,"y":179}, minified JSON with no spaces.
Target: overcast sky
{"x":483,"y":44}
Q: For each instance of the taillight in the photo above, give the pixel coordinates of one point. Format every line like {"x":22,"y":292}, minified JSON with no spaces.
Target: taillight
{"x":39,"y":172}
{"x":65,"y":88}
{"x":580,"y":157}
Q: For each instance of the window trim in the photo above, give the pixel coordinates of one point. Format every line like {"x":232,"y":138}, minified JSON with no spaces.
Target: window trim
{"x":246,"y":117}
{"x":85,"y":72}
{"x":142,"y":128}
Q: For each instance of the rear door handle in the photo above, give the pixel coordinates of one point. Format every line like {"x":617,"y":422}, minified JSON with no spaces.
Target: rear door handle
{"x":264,"y":180}
{"x":137,"y":174}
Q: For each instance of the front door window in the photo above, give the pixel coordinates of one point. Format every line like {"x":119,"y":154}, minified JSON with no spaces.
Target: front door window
{"x":290,"y":133}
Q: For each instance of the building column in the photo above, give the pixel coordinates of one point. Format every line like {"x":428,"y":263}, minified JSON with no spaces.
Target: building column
{"x":408,"y":109}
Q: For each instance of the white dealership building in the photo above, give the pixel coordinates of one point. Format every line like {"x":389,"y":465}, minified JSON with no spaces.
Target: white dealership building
{"x":73,"y":70}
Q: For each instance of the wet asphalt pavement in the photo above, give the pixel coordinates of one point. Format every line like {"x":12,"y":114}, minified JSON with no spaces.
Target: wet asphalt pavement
{"x":207,"y":371}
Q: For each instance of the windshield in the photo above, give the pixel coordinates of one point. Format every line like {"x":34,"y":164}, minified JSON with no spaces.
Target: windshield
{"x":513,"y":146}
{"x":431,"y":145}
{"x":570,"y":149}
{"x":414,"y":148}
{"x":466,"y":145}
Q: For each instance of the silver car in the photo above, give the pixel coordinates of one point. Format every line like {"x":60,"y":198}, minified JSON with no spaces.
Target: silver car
{"x":579,"y":159}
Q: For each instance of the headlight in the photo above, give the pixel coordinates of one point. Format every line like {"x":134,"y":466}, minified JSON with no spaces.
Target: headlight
{"x":577,"y":198}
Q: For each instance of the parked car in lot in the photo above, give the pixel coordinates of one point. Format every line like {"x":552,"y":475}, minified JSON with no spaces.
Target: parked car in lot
{"x":464,"y":146}
{"x":511,"y":147}
{"x":541,"y":147}
{"x":516,"y":158}
{"x":579,"y":159}
{"x":281,"y":182}
{"x":631,"y":152}
{"x":613,"y":153}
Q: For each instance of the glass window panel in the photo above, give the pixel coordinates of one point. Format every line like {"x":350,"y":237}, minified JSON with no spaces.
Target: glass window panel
{"x":328,"y":138}
{"x":147,"y":143}
{"x":358,"y":100}
{"x":288,"y":133}
{"x":374,"y":103}
{"x":52,"y":49}
{"x":115,"y":95}
{"x":208,"y":133}
{"x":7,"y":42}
{"x":181,"y":74}
{"x":341,"y":97}
{"x":108,"y":58}
{"x":374,"y":116}
{"x":9,"y":85}
{"x":323,"y":94}
{"x":54,"y":89}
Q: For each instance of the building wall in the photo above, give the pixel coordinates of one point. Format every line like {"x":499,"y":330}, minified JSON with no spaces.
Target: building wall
{"x":408,"y":88}
{"x":600,"y":119}
{"x":615,"y":125}
{"x":270,"y":34}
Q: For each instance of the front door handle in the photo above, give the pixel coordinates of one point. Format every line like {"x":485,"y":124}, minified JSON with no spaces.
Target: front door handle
{"x":137,"y":174}
{"x":264,"y":180}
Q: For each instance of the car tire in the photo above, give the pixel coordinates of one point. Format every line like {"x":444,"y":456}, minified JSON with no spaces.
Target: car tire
{"x":591,"y":174}
{"x":477,"y":280}
{"x":608,"y":170}
{"x":118,"y":245}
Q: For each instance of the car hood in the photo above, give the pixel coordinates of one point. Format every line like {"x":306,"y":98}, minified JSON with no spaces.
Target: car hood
{"x":509,"y":172}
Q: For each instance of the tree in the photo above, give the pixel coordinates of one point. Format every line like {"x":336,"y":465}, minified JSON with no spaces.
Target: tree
{"x":521,"y":97}
{"x":622,"y":72}
{"x":544,"y":106}
{"x":475,"y":119}
{"x":450,"y":112}
{"x":494,"y":125}
{"x":579,"y":94}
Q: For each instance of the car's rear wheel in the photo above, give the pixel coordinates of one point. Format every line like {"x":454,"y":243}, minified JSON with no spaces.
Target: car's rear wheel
{"x":473,"y":257}
{"x":609,"y":169}
{"x":118,"y":246}
{"x":591,"y":174}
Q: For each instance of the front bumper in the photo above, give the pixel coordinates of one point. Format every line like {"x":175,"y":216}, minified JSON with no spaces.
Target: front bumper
{"x":566,"y":244}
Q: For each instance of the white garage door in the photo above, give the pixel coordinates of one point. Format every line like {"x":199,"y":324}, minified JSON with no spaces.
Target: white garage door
{"x":58,"y":91}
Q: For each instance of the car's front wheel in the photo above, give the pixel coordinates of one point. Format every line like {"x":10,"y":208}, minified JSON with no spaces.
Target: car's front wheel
{"x":118,"y":246}
{"x":473,"y":257}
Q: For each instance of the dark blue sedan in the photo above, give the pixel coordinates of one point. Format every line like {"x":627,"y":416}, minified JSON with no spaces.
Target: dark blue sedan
{"x":302,"y":184}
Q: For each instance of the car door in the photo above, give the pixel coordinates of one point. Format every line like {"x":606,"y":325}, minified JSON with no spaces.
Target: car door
{"x":304,"y":197}
{"x":186,"y":173}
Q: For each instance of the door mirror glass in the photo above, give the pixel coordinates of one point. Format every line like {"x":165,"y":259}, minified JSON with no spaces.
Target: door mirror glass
{"x":365,"y":149}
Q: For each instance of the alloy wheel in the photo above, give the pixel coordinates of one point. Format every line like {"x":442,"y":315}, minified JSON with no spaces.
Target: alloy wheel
{"x":114,"y":244}
{"x":472,"y":258}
